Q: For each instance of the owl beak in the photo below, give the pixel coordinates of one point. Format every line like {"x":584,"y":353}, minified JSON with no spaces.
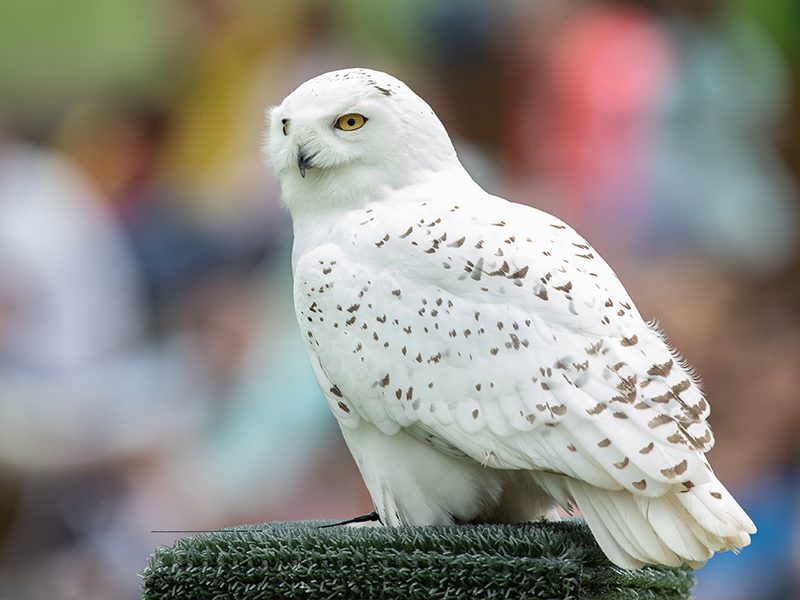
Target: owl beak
{"x":304,"y":162}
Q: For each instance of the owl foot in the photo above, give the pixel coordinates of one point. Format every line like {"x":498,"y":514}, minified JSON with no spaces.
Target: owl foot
{"x":368,"y":518}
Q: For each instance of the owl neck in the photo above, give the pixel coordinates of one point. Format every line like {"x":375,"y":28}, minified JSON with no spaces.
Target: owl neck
{"x":326,"y":194}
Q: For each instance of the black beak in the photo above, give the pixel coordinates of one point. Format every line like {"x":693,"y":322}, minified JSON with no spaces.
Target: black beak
{"x":304,"y":162}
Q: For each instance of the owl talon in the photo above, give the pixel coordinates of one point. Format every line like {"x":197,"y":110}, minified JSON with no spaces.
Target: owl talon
{"x":370,"y":517}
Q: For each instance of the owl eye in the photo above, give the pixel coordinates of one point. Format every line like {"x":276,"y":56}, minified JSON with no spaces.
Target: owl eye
{"x":350,"y":122}
{"x":285,"y":123}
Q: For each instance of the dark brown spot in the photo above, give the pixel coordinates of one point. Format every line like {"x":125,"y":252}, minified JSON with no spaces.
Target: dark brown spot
{"x":628,"y":384}
{"x":702,"y":441}
{"x":604,"y":443}
{"x":561,"y":364}
{"x":502,"y":271}
{"x":494,"y":351}
{"x":399,"y":393}
{"x":622,"y":464}
{"x":662,"y":398}
{"x":336,"y":391}
{"x":475,"y":414}
{"x":658,"y":421}
{"x":681,"y":387}
{"x":647,"y":449}
{"x":520,"y":274}
{"x":458,"y":243}
{"x":594,"y":348}
{"x":514,"y":343}
{"x":716,"y":495}
{"x":631,"y":341}
{"x":344,"y":407}
{"x":571,"y":448}
{"x":676,"y":438}
{"x":599,"y":407}
{"x":662,"y":370}
{"x":409,"y":393}
{"x":640,"y":485}
{"x":620,"y":415}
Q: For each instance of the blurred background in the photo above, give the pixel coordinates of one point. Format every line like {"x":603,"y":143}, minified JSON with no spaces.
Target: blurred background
{"x":151,"y":374}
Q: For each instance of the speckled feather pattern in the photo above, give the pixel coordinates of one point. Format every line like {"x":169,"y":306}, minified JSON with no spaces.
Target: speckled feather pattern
{"x":466,"y":344}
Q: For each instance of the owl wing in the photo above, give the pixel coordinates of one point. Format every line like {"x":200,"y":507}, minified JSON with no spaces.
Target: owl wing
{"x":495,"y":331}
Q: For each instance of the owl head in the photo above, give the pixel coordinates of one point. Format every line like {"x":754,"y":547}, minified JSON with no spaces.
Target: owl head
{"x":346,"y":138}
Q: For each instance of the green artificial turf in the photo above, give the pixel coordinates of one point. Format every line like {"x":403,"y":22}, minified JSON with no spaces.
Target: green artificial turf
{"x":299,"y":560}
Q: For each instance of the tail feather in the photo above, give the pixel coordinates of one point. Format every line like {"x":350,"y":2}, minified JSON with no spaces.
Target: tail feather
{"x":714,"y":508}
{"x":667,"y":519}
{"x":623,"y":519}
{"x":679,"y":527}
{"x":608,"y":541}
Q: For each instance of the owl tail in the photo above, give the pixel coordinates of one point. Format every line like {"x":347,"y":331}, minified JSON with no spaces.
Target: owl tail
{"x":684,"y":527}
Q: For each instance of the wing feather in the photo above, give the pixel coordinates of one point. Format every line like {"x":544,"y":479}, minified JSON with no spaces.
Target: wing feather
{"x":509,"y":339}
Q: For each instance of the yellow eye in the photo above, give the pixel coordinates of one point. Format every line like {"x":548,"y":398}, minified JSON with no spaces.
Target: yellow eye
{"x":350,"y":122}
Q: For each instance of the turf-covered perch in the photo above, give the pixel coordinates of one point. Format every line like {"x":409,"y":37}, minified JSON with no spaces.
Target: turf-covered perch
{"x":300,"y":560}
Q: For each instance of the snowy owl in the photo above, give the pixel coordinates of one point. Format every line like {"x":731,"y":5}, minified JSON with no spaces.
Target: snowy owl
{"x":483,"y":362}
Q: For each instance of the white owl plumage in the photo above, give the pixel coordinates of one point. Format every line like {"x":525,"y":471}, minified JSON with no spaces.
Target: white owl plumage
{"x":483,"y":362}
